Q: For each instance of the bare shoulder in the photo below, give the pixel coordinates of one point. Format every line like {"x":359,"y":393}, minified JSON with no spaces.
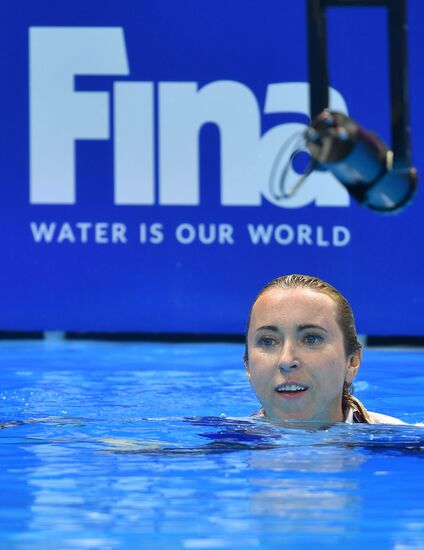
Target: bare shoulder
{"x":378,"y":418}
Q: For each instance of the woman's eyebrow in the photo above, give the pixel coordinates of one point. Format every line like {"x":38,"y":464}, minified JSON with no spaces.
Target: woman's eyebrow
{"x":309,"y":326}
{"x":272,"y":328}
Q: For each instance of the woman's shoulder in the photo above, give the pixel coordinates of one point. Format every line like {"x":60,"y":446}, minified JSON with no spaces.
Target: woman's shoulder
{"x":358,"y":413}
{"x":378,"y":418}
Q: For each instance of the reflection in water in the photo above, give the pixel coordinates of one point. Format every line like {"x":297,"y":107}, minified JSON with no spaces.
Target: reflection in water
{"x":248,"y":477}
{"x":307,"y":490}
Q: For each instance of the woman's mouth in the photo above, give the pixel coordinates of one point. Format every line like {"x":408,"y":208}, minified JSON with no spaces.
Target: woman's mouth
{"x":291,"y":389}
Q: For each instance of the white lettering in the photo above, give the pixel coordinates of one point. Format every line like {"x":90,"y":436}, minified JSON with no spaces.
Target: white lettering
{"x":151,"y":233}
{"x":58,"y":114}
{"x":185,"y":233}
{"x":225,"y":233}
{"x":285,"y":234}
{"x":134,"y":143}
{"x":81,"y":232}
{"x":66,"y":234}
{"x":260,"y":233}
{"x":320,"y":237}
{"x":183,"y":110}
{"x":320,"y":187}
{"x":341,"y":235}
{"x":84,"y":227}
{"x":119,"y":231}
{"x":156,"y":231}
{"x":207,"y":235}
{"x":221,"y":233}
{"x":101,"y":236}
{"x":43,"y":232}
{"x":304,"y":233}
{"x":286,"y":229}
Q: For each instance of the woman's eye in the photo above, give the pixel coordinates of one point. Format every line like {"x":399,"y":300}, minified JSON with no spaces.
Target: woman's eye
{"x":313,"y":339}
{"x":266,"y":342}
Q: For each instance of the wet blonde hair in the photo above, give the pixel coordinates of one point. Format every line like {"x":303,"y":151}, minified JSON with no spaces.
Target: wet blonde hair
{"x":344,"y":319}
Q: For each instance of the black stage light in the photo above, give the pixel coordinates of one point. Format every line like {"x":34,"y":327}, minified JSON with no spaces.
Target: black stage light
{"x":377,"y":177}
{"x":361,"y":161}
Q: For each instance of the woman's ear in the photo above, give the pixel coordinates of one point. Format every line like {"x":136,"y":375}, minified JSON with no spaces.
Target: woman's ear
{"x":353,"y":367}
{"x":246,"y":364}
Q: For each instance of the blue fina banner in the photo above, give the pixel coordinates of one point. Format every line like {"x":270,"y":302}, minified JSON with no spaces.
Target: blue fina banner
{"x":138,"y":156}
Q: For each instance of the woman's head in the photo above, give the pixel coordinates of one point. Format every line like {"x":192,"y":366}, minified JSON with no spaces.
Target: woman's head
{"x":344,"y":311}
{"x":302,"y":351}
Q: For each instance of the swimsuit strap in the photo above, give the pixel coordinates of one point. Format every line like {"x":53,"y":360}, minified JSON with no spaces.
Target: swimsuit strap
{"x":358,"y":418}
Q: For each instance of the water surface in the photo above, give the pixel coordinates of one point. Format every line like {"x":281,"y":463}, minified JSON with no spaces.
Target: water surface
{"x":151,"y":446}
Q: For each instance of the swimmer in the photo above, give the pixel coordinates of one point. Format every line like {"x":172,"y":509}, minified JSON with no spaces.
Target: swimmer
{"x":302,"y":354}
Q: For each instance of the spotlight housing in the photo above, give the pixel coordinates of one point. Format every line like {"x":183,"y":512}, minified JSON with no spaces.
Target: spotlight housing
{"x":361,"y":161}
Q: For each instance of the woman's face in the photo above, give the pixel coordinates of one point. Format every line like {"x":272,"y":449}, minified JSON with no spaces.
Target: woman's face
{"x":297,"y":364}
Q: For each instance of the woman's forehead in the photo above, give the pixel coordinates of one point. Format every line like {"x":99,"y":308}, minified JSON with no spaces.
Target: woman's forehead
{"x":302,"y":304}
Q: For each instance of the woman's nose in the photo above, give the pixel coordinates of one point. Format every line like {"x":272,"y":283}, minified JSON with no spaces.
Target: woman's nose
{"x":288,"y":360}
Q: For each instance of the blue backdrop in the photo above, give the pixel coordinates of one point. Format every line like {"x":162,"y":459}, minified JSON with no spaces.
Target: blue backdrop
{"x":137,"y":150}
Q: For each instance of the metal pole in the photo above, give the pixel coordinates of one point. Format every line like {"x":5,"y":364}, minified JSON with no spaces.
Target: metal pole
{"x":317,"y":55}
{"x":398,"y":63}
{"x":397,"y":27}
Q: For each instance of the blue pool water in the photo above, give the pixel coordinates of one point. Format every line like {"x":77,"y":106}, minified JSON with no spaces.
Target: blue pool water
{"x":151,"y":446}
